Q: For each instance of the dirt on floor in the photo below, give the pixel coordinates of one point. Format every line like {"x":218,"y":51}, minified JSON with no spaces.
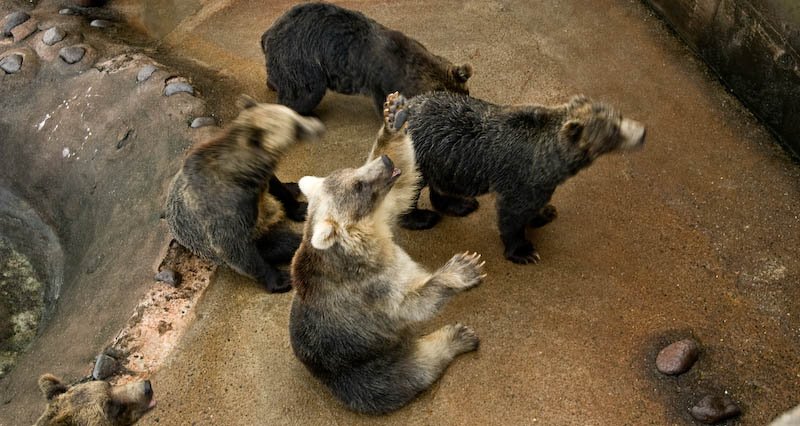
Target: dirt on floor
{"x":697,"y":235}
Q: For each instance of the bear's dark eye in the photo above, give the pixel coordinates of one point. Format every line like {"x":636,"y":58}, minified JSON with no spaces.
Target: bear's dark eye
{"x":358,"y":186}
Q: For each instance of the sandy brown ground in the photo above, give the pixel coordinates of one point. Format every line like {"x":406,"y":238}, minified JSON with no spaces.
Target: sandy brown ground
{"x":696,"y":235}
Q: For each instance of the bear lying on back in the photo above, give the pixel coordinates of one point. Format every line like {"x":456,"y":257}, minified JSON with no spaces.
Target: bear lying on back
{"x":360,"y":300}
{"x":466,"y":147}
{"x":319,"y":46}
{"x":225,"y":204}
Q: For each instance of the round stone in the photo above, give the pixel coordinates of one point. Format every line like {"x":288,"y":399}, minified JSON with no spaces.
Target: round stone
{"x":203,"y":122}
{"x":169,"y":276}
{"x":11,"y":63}
{"x":12,"y":20}
{"x":104,"y":367}
{"x":100,"y":23}
{"x":178,"y":87}
{"x":72,"y":54}
{"x":66,"y":11}
{"x":678,"y":357}
{"x":714,"y":409}
{"x":53,"y":36}
{"x":145,"y":73}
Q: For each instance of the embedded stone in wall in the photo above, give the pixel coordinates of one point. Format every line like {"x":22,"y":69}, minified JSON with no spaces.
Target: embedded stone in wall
{"x":53,"y":36}
{"x":145,"y":73}
{"x":11,"y":63}
{"x":72,"y":54}
{"x":11,"y":21}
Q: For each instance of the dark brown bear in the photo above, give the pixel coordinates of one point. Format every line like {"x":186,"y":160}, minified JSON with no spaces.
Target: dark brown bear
{"x":318,"y":46}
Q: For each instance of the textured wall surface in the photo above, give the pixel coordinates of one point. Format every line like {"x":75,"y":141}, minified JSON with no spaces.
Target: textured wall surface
{"x":753,"y":45}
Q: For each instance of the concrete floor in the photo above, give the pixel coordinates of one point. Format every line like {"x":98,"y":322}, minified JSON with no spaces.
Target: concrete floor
{"x":696,"y":235}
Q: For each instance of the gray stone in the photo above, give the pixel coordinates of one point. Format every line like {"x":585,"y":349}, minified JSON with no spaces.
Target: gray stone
{"x":12,"y":20}
{"x":178,"y":87}
{"x":678,"y":357}
{"x":169,"y":276}
{"x":145,"y":73}
{"x":53,"y":36}
{"x":72,"y":54}
{"x":11,"y":63}
{"x":66,"y":11}
{"x":714,"y":409}
{"x":100,"y":23}
{"x":104,"y":367}
{"x":203,"y":122}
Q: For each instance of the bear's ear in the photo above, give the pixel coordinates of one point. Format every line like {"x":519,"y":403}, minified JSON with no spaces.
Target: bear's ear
{"x":572,"y":131}
{"x":323,"y":235}
{"x":309,"y":185}
{"x":245,"y":102}
{"x":51,"y":386}
{"x":462,"y":73}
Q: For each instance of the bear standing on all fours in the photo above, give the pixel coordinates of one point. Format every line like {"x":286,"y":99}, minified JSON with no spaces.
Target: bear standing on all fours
{"x":95,"y":403}
{"x":467,"y":147}
{"x":360,"y":300}
{"x":318,"y":46}
{"x":226,"y":204}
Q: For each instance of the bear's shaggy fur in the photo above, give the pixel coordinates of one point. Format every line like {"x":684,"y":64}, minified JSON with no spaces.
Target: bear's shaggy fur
{"x":225,"y":202}
{"x":319,"y":46}
{"x":466,"y":147}
{"x":94,"y":403}
{"x":360,"y":300}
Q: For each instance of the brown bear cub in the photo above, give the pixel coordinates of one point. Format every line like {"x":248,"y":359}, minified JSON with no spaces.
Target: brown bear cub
{"x":226,"y":203}
{"x":466,"y":147}
{"x":360,"y":300}
{"x":95,"y":403}
{"x":318,"y":46}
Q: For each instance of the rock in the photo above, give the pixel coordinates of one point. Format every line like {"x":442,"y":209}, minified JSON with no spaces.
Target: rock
{"x":100,"y":23}
{"x":12,"y":20}
{"x":145,"y":73}
{"x":66,"y":11}
{"x":53,"y":36}
{"x":72,"y":54}
{"x":104,"y":366}
{"x":11,"y":63}
{"x":169,"y":276}
{"x":22,"y":31}
{"x":178,"y":87}
{"x":714,"y":409}
{"x":678,"y":357}
{"x":203,"y":122}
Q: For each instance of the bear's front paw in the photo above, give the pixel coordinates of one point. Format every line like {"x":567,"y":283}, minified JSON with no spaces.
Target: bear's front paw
{"x":419,"y":219}
{"x":468,"y":267}
{"x":546,"y":215}
{"x":298,"y":214}
{"x":523,"y":254}
{"x":464,"y":338}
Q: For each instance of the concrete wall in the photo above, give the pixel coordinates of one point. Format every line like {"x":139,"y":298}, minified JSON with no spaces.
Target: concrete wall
{"x":754,"y":46}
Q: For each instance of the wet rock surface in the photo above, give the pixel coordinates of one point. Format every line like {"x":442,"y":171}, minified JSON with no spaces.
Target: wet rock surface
{"x":11,"y":63}
{"x":678,"y":357}
{"x":72,"y":54}
{"x":713,"y":409}
{"x":53,"y":35}
{"x":11,"y":21}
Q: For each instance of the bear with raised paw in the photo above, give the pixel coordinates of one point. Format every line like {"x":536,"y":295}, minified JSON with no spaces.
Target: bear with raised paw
{"x":360,"y":300}
{"x":467,"y":147}
{"x":318,"y":46}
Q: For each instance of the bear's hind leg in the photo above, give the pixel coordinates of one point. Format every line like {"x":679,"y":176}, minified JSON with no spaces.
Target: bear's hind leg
{"x":246,"y":260}
{"x":279,"y":245}
{"x":435,"y":351}
{"x":452,"y":205}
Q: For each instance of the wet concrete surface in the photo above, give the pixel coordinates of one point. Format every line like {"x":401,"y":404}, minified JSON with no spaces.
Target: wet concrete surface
{"x":697,"y":235}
